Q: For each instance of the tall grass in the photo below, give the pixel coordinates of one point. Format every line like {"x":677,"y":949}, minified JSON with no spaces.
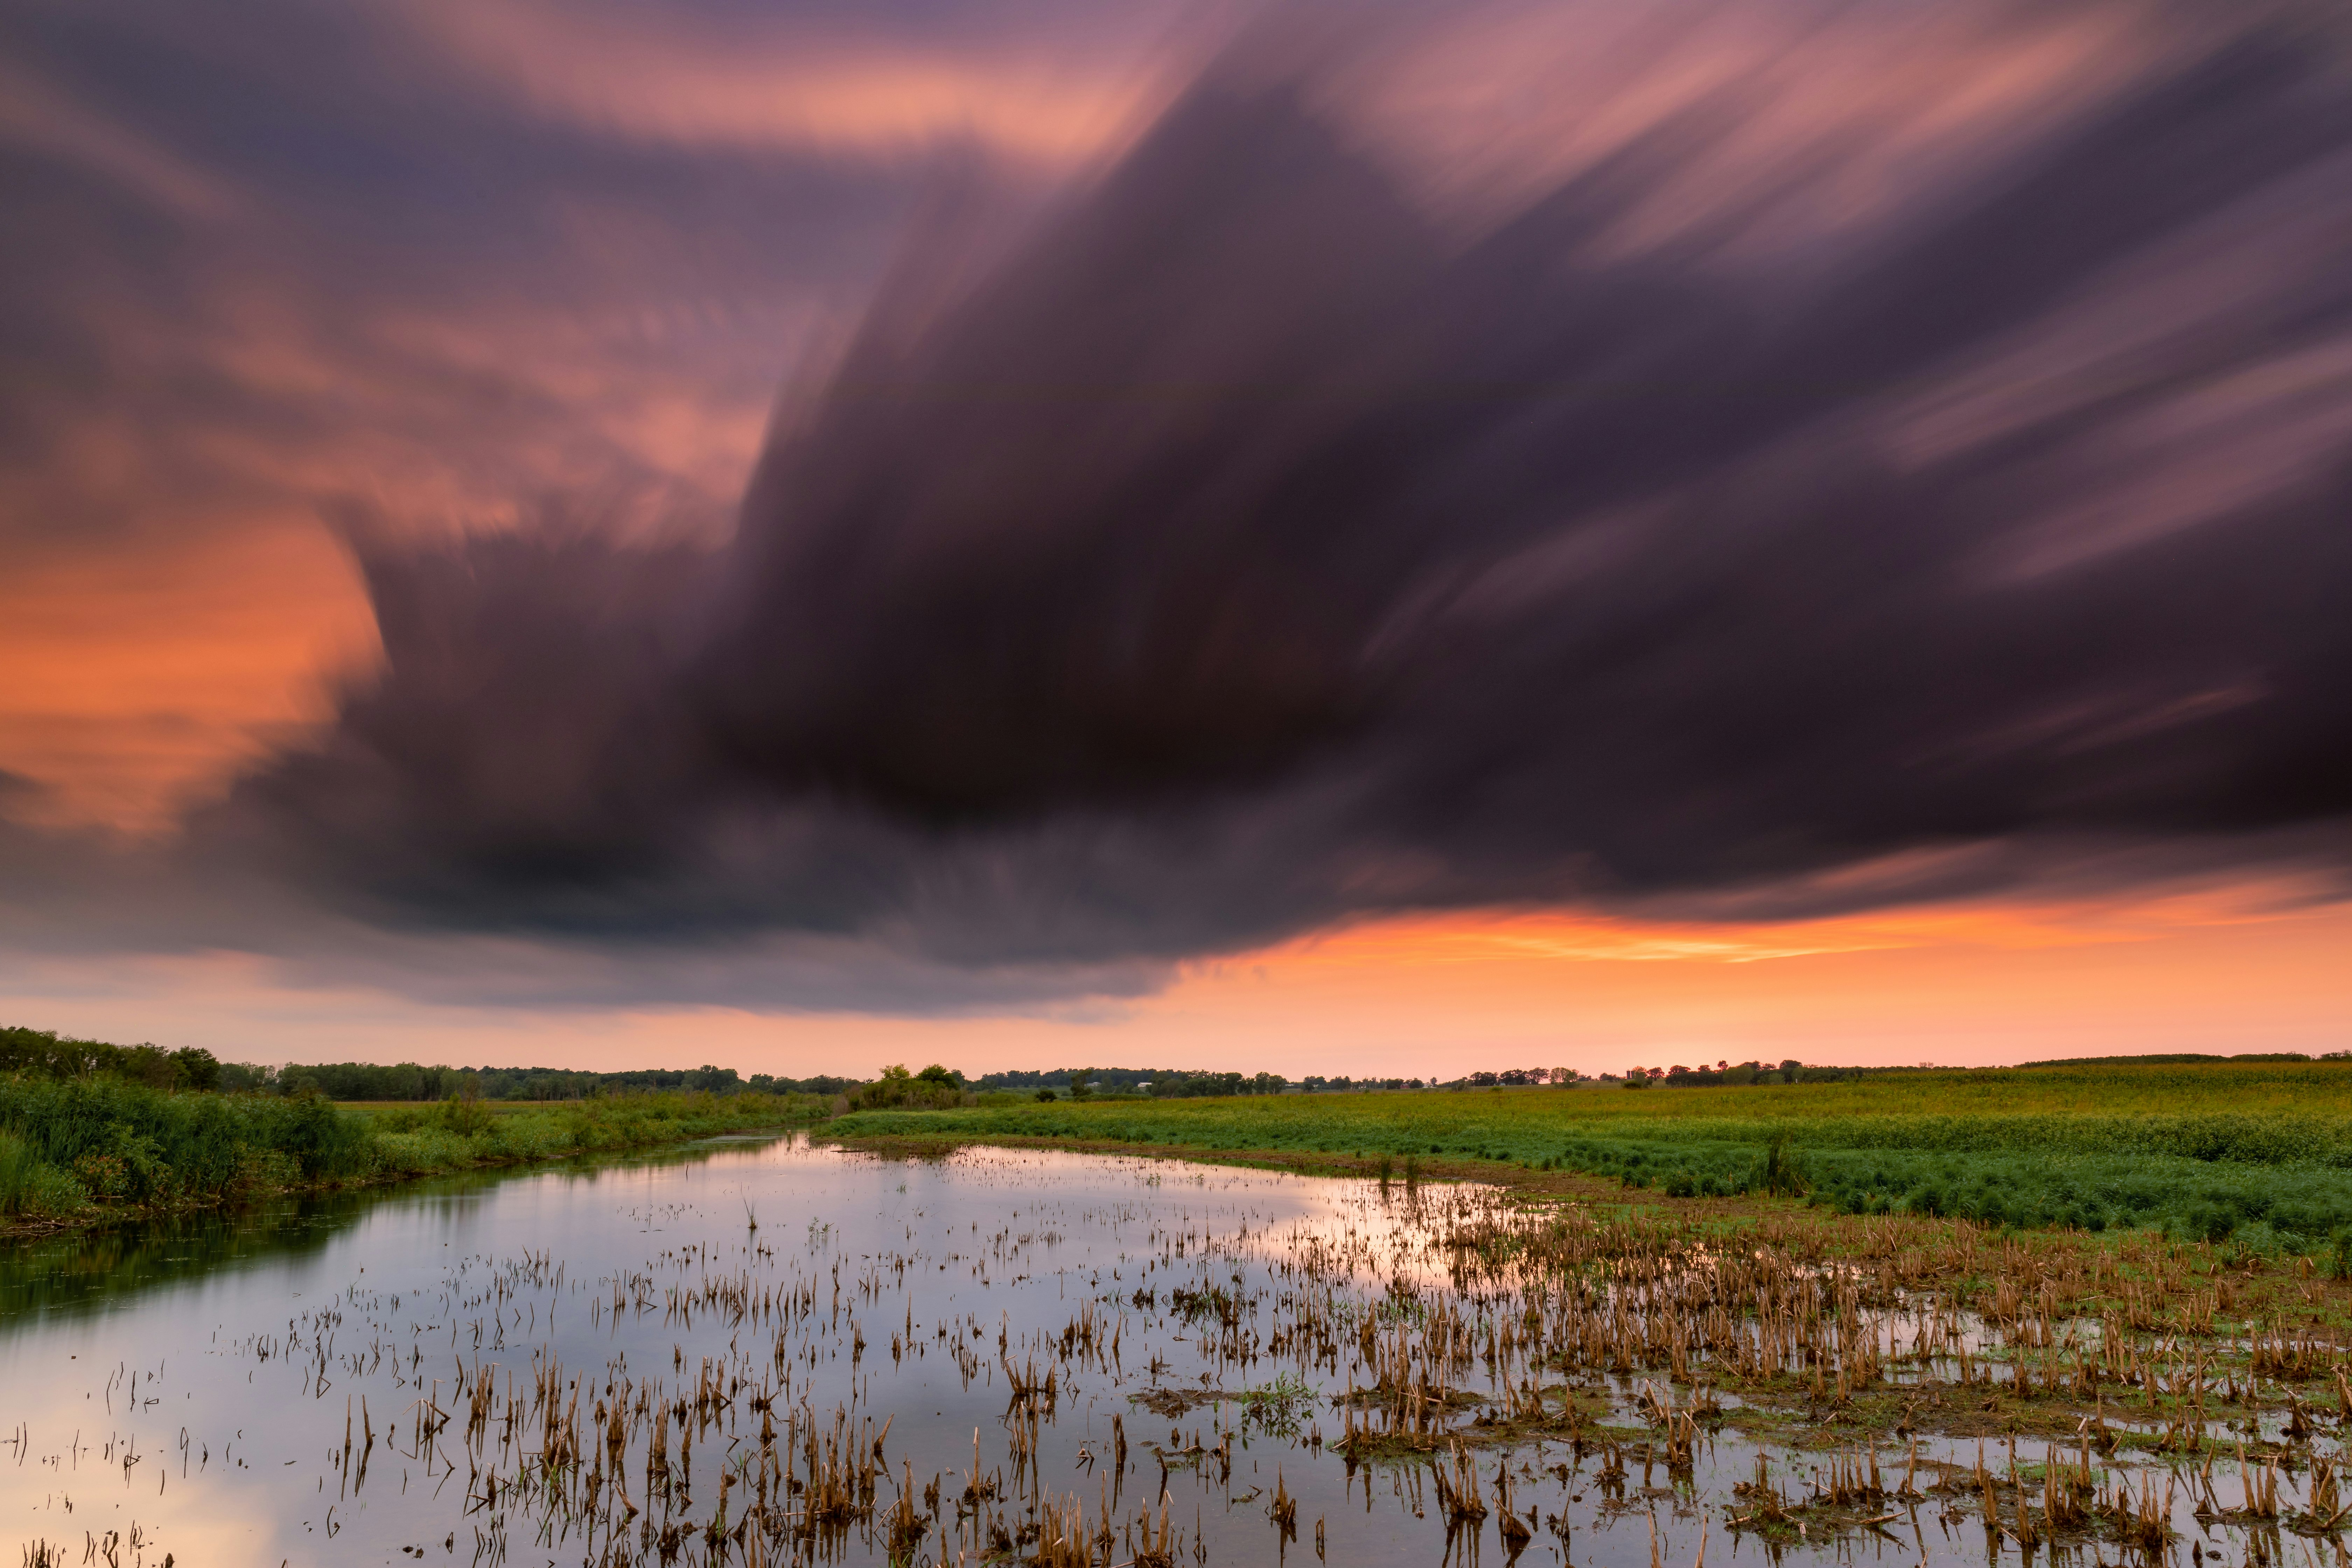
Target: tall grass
{"x":31,"y":1186}
{"x":69,"y":1146}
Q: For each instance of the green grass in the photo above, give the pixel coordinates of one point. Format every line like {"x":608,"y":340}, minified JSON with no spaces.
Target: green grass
{"x":2259,"y":1151}
{"x":70,"y":1149}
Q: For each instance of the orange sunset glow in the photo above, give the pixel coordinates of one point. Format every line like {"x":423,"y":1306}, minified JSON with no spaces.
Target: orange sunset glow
{"x":1247,"y":539}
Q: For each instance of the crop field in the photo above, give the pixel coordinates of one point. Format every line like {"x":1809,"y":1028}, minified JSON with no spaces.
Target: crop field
{"x":2256,"y":1153}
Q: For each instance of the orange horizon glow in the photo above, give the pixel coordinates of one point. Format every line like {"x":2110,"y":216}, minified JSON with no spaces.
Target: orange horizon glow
{"x":2223,"y":969}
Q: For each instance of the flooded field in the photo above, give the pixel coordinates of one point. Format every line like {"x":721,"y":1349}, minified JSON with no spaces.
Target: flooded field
{"x":769,"y":1352}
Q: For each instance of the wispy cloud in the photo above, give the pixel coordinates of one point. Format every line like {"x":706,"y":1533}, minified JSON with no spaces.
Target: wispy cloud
{"x":807,"y":84}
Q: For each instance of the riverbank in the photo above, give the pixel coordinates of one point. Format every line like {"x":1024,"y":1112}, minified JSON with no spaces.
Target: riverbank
{"x":98,"y":1151}
{"x":2257,"y":1155}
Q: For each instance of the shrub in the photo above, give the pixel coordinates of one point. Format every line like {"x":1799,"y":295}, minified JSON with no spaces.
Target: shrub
{"x":898,"y":1089}
{"x":465,"y":1114}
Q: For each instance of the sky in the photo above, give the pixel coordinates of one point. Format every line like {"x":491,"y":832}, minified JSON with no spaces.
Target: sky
{"x":1377,"y":539}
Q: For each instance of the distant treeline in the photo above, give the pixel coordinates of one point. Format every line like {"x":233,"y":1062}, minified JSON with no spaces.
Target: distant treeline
{"x":37,"y":1053}
{"x":1160,"y":1083}
{"x":1116,"y":1080}
{"x":40,"y":1053}
{"x":2186,"y":1059}
{"x":407,"y":1080}
{"x":43,"y":1054}
{"x":1789,"y":1071}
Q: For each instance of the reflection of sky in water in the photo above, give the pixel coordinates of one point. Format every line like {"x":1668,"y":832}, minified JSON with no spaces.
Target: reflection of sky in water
{"x":192,"y":1382}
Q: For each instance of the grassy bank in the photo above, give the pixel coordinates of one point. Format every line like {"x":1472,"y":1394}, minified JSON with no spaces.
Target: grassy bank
{"x":2258,"y":1151}
{"x":79,"y":1149}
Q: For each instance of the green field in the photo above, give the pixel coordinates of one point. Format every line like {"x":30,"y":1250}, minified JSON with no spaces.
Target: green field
{"x":78,"y":1148}
{"x":2260,"y":1152}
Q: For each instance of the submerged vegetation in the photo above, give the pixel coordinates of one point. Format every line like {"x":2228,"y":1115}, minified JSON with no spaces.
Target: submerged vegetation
{"x":1757,"y":1291}
{"x":1123,"y":1370}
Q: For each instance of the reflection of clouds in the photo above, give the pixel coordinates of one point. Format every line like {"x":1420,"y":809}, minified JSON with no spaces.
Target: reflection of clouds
{"x":1339,"y":1231}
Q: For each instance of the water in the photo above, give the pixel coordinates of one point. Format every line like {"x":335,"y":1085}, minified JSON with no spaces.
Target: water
{"x":204,"y":1391}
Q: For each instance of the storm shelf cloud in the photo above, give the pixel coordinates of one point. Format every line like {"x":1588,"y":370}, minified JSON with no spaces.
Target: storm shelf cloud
{"x":1260,"y":542}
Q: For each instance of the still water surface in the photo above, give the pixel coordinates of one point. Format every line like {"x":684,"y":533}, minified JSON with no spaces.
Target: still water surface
{"x":391,"y":1377}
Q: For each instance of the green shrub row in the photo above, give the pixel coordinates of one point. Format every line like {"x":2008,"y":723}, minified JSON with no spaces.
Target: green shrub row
{"x":67,"y":1145}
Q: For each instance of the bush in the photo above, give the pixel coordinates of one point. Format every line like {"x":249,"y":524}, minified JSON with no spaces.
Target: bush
{"x":465,"y":1114}
{"x":898,"y":1089}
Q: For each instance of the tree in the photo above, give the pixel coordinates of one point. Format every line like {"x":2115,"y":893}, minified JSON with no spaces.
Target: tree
{"x":199,"y":1069}
{"x":1082,"y":1084}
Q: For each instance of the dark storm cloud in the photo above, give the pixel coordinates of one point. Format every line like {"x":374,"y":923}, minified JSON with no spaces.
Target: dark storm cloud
{"x":1252,"y":543}
{"x":1248,"y":551}
{"x":267,"y":256}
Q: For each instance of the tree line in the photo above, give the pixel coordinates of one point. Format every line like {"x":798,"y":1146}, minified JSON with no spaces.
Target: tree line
{"x":43,"y":1054}
{"x":40,"y":1053}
